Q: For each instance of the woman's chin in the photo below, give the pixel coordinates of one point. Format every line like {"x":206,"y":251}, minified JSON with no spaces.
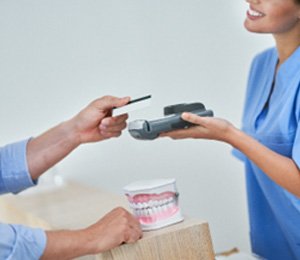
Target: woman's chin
{"x":249,"y":27}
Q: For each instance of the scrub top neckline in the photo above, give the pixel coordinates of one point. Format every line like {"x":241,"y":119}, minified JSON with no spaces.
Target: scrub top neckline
{"x":286,"y":71}
{"x":267,"y":87}
{"x":288,"y":68}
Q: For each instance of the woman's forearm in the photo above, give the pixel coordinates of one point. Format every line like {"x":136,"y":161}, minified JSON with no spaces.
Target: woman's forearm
{"x":279,"y":168}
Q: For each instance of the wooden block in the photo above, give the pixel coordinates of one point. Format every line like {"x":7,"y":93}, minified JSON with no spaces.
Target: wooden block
{"x":188,"y":240}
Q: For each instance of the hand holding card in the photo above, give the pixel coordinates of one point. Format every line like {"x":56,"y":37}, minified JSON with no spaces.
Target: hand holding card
{"x":132,"y":105}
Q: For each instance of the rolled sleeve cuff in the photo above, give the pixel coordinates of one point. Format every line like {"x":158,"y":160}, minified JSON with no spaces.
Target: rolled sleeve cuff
{"x":14,"y":167}
{"x":29,"y":243}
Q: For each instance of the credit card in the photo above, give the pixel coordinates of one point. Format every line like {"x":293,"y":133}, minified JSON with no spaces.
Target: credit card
{"x":133,"y":105}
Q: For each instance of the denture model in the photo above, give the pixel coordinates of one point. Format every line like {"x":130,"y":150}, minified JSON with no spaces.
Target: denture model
{"x":154,"y":202}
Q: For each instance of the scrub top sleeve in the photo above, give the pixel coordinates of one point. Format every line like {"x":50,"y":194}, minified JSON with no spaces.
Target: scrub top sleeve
{"x":296,"y":148}
{"x":296,"y":144}
{"x":238,"y":154}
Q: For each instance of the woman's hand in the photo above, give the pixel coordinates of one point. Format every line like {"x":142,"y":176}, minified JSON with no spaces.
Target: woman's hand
{"x":205,"y":128}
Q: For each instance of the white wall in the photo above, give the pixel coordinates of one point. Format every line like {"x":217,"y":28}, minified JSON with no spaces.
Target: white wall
{"x":56,"y":56}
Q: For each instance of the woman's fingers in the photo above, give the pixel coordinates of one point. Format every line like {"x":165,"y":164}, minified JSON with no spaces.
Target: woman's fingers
{"x":193,"y":118}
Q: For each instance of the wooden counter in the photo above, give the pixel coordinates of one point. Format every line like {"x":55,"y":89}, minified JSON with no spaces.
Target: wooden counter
{"x":73,"y":206}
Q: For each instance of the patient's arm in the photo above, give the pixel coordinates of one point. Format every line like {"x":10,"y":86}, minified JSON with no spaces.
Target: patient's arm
{"x":115,"y":228}
{"x":94,"y":123}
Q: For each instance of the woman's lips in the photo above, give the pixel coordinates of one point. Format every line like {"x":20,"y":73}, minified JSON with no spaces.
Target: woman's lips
{"x":254,"y":14}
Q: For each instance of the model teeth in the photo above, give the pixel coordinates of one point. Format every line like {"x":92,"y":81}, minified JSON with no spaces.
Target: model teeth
{"x":255,"y":13}
{"x":153,"y":203}
{"x":153,"y":206}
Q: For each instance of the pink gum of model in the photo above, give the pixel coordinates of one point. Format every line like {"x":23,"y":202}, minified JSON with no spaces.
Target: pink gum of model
{"x":154,"y":202}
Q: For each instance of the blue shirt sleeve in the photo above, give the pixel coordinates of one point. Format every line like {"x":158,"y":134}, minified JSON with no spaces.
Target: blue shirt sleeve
{"x":14,"y":174}
{"x":20,"y":242}
{"x":17,"y":241}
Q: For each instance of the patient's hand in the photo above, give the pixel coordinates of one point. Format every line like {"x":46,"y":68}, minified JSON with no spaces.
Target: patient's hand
{"x":115,"y":228}
{"x":95,"y":122}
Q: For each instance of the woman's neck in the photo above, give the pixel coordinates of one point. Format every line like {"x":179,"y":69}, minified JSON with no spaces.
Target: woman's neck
{"x":286,"y":44}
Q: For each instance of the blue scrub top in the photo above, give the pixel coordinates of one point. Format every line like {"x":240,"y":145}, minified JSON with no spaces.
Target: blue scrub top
{"x":274,"y":212}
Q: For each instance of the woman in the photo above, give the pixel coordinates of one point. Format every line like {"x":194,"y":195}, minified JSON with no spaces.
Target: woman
{"x":269,"y":142}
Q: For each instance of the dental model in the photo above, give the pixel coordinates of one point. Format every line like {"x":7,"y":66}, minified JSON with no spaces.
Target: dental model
{"x":154,"y":202}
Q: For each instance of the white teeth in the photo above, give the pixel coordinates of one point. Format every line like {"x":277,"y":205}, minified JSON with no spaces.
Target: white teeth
{"x":151,"y":203}
{"x":155,"y":210}
{"x":151,"y":212}
{"x":255,"y":13}
{"x":152,"y":206}
{"x":169,"y":206}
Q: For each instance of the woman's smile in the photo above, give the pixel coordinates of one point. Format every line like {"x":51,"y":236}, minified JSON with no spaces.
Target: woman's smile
{"x":254,"y":14}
